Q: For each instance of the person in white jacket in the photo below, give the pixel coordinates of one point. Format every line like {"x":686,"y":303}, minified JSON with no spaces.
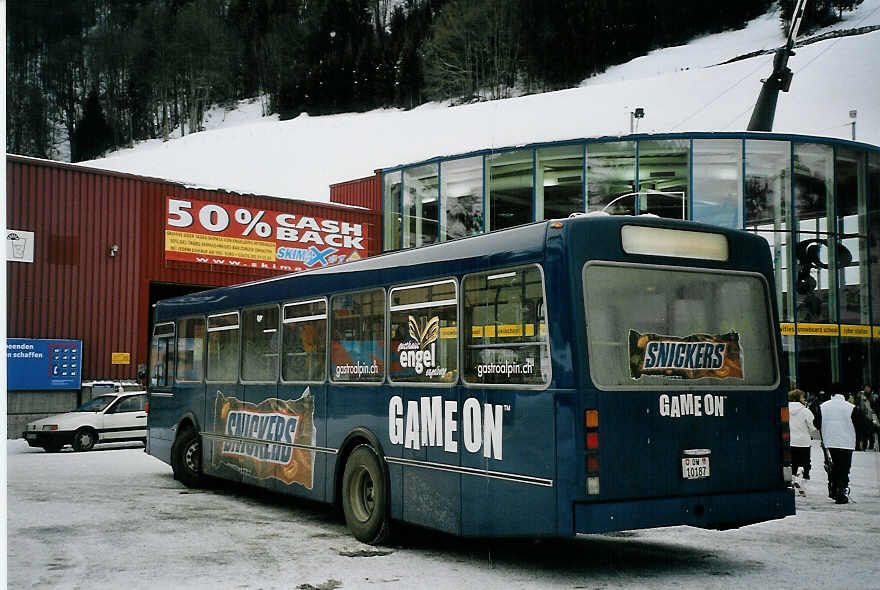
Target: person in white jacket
{"x":800,"y":423}
{"x":837,"y":423}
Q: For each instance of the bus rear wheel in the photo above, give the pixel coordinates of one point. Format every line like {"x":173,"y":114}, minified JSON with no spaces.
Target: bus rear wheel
{"x":365,"y":496}
{"x":186,"y":459}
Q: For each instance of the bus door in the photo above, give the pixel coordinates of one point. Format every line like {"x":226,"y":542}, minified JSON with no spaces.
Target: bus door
{"x":507,"y":414}
{"x":302,"y":400}
{"x":684,"y":366}
{"x":423,"y":402}
{"x":162,"y":414}
{"x":224,"y":453}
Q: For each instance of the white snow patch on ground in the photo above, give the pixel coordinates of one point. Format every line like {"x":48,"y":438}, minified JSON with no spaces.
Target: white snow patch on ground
{"x":115,"y":518}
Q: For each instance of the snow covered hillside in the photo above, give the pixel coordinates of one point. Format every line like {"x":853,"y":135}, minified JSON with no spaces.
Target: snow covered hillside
{"x":681,"y":89}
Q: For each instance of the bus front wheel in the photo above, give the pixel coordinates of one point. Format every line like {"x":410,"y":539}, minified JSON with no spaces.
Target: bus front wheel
{"x":365,"y":496}
{"x":186,"y":459}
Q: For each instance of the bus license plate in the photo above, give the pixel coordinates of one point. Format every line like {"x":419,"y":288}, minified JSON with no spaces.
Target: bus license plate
{"x":695,"y":467}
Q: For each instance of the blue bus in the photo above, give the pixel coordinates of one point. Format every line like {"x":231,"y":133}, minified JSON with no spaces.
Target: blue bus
{"x":591,"y":374}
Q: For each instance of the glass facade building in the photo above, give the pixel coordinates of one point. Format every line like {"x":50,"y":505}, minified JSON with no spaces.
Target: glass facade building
{"x":815,"y":200}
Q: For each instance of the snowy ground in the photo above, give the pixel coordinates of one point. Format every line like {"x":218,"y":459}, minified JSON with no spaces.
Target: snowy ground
{"x":115,"y":518}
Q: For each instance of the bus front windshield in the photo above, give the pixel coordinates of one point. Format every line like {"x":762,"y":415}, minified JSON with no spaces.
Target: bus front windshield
{"x":663,"y":328}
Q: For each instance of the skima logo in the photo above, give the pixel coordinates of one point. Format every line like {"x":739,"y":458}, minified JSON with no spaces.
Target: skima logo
{"x":665,"y":354}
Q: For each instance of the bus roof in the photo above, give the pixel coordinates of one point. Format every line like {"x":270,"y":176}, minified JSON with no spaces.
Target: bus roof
{"x":518,"y":245}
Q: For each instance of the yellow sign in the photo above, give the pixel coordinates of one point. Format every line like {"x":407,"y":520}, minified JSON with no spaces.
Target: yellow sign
{"x":120,"y":358}
{"x":449,"y":332}
{"x":817,"y":330}
{"x":506,"y":331}
{"x":847,"y":331}
{"x":205,"y":245}
{"x":856,"y":331}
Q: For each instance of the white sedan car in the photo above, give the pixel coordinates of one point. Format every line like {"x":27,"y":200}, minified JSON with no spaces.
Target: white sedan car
{"x":106,"y":418}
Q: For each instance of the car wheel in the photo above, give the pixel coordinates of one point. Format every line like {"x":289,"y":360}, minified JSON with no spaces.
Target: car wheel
{"x":84,"y":439}
{"x":52,"y":448}
{"x":186,"y":459}
{"x":365,"y":496}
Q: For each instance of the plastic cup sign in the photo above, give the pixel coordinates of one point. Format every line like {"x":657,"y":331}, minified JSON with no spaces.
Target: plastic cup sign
{"x":19,"y":246}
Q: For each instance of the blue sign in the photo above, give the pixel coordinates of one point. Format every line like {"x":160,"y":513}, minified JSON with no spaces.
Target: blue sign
{"x":43,"y":364}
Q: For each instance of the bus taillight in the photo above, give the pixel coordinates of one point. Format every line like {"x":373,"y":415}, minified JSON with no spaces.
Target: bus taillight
{"x":591,"y":425}
{"x":785,"y":435}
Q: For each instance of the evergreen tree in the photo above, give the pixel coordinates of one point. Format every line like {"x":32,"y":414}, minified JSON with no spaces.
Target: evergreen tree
{"x":93,"y":136}
{"x":136,"y":69}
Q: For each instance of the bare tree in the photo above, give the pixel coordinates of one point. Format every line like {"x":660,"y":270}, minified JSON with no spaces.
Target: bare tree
{"x":474,"y":50}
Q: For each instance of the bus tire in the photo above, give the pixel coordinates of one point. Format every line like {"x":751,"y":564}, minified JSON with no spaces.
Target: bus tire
{"x":365,"y":496}
{"x":186,"y":458}
{"x":84,"y":439}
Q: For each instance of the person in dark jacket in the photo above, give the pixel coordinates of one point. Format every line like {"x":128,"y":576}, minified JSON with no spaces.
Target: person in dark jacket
{"x":836,"y":421}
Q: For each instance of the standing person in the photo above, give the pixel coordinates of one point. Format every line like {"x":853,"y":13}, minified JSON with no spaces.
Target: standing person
{"x":800,"y":422}
{"x":836,"y":421}
{"x":864,"y":425}
{"x":871,"y":396}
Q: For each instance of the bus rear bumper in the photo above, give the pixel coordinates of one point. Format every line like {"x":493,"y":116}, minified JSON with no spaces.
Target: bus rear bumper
{"x":717,"y":511}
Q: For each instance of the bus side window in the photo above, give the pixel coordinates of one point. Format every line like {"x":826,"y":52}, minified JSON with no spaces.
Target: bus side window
{"x":223,"y":346}
{"x":190,"y":349}
{"x":260,"y":344}
{"x":162,"y":355}
{"x":305,"y":341}
{"x":505,"y":328}
{"x":424,"y":333}
{"x":357,"y":322}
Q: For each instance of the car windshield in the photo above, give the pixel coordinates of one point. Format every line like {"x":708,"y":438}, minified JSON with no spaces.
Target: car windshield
{"x":97,"y":404}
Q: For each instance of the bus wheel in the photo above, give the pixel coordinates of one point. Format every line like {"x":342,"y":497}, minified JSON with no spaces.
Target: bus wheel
{"x":84,"y":439}
{"x":365,"y":496}
{"x":186,"y":458}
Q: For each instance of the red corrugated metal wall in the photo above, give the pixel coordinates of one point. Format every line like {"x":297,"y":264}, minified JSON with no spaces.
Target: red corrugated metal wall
{"x":75,"y":289}
{"x":363,"y":192}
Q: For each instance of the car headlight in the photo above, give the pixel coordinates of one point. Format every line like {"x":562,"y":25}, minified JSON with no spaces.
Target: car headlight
{"x":50,"y":427}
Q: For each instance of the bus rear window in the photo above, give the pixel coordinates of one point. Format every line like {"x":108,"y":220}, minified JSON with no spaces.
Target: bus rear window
{"x":661,"y":328}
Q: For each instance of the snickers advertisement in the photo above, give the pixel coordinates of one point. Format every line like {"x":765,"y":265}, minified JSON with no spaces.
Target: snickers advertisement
{"x":272,"y":439}
{"x":696,"y":356}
